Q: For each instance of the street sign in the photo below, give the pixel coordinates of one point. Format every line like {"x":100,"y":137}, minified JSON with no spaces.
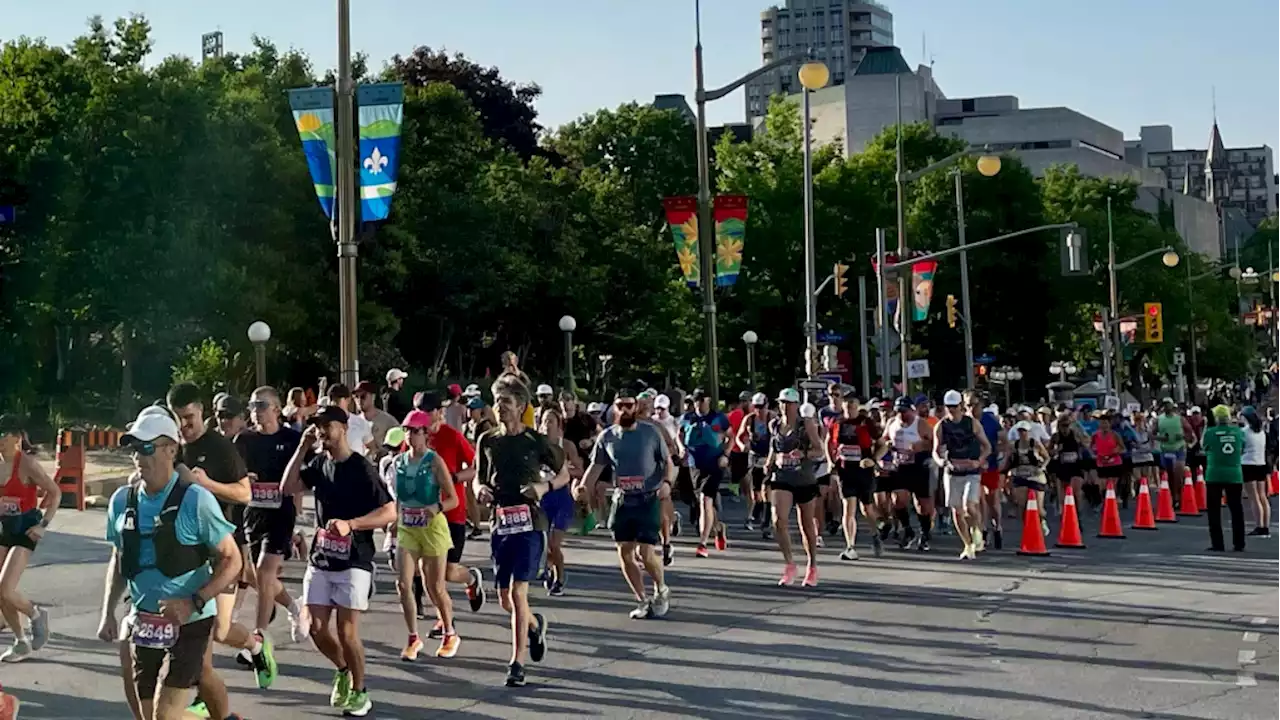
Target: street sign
{"x":830,"y":337}
{"x":984,"y":359}
{"x":813,"y":385}
{"x":1132,"y":408}
{"x":917,"y":369}
{"x":1113,"y":403}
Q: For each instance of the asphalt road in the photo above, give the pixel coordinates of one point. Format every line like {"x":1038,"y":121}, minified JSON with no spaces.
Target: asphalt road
{"x":1148,"y":627}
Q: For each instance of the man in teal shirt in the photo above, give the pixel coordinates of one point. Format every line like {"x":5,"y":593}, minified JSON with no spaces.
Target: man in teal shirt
{"x":1223,"y":443}
{"x":174,"y":547}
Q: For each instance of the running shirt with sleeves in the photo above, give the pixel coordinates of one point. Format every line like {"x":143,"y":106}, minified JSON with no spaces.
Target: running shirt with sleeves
{"x":217,"y":457}
{"x":267,"y":456}
{"x":455,"y":451}
{"x":344,"y":491}
{"x":510,"y":464}
{"x":1223,"y":446}
{"x":637,"y":456}
{"x":199,"y":522}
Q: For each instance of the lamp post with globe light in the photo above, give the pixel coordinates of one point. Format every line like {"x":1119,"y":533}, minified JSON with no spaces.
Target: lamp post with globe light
{"x":1062,"y":369}
{"x":567,"y":326}
{"x":1168,"y":255}
{"x":750,"y":339}
{"x":813,"y":76}
{"x":259,"y":334}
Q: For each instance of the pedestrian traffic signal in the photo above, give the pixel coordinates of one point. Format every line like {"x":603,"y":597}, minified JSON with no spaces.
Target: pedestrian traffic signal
{"x":1153,"y":322}
{"x":838,"y":274}
{"x":952,"y":313}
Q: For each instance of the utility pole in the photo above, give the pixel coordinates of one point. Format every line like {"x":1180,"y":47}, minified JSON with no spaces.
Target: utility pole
{"x":345,"y":217}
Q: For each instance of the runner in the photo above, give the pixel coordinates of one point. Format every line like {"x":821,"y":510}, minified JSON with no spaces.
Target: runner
{"x":1254,"y":467}
{"x":297,"y":409}
{"x":270,"y":518}
{"x":558,"y":504}
{"x":230,"y":415}
{"x":752,"y":433}
{"x":424,"y":492}
{"x":174,"y":570}
{"x":669,"y":525}
{"x":455,"y":409}
{"x":481,"y":421}
{"x":393,"y":396}
{"x":1108,"y":449}
{"x":1065,"y":450}
{"x":359,"y":431}
{"x":1173,"y":432}
{"x":544,"y":398}
{"x":1142,"y":450}
{"x":351,"y":502}
{"x":795,"y":446}
{"x":1223,"y":476}
{"x":911,"y":440}
{"x":380,"y":421}
{"x":989,"y":418}
{"x":961,"y":449}
{"x":857,"y":444}
{"x":641,"y":460}
{"x":1025,"y":463}
{"x":821,"y":472}
{"x":1195,"y":452}
{"x":509,"y":477}
{"x":23,"y":520}
{"x":217,"y":467}
{"x":702,"y":439}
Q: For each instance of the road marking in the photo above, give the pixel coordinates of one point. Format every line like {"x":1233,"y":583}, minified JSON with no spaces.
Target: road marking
{"x":1246,"y":680}
{"x":1187,"y":681}
{"x":1247,"y":657}
{"x":1258,"y":621}
{"x":1251,"y":637}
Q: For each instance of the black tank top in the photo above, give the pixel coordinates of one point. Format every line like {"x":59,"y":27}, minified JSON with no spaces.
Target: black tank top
{"x":960,"y":439}
{"x":787,"y":468}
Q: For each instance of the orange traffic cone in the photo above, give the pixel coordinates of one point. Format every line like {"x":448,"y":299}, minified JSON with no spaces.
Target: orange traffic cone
{"x":1202,"y":492}
{"x":1273,"y":486}
{"x":1190,"y":507}
{"x":1143,"y":518}
{"x":1032,"y":535}
{"x":1069,"y":532}
{"x":1111,"y":527}
{"x":1164,"y":503}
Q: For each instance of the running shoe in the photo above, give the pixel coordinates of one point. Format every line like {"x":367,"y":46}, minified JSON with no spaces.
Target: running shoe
{"x":1256,"y":532}
{"x":668,"y":555}
{"x":515,"y":675}
{"x":675,"y":525}
{"x":475,"y":589}
{"x":702,"y":551}
{"x":538,"y":638}
{"x":661,"y":603}
{"x":198,"y":709}
{"x":1044,"y":527}
{"x":906,"y":538}
{"x":548,"y":580}
{"x":299,"y":623}
{"x":788,"y":574}
{"x":39,"y":628}
{"x":411,"y":649}
{"x":557,"y":589}
{"x":998,"y":536}
{"x":877,"y":545}
{"x":979,"y":542}
{"x":766,"y":533}
{"x":341,"y":688}
{"x":437,"y":631}
{"x":19,"y":651}
{"x":244,"y":658}
{"x":849,"y":554}
{"x":923,"y":545}
{"x":643,"y":610}
{"x":264,"y":663}
{"x":749,"y":525}
{"x":475,"y":533}
{"x":448,"y":645}
{"x":810,"y":576}
{"x":968,"y":553}
{"x":722,"y":538}
{"x":357,"y":704}
{"x":820,"y":542}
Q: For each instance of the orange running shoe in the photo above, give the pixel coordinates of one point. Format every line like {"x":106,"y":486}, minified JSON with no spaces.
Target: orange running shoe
{"x":448,"y":645}
{"x":411,"y":649}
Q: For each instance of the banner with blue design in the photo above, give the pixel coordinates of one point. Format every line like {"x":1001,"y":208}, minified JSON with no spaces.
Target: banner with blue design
{"x":314,"y":118}
{"x":381,"y":113}
{"x":7,"y":214}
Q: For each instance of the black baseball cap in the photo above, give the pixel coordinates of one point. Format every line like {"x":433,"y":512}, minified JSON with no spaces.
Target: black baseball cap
{"x":328,"y":414}
{"x":700,"y":394}
{"x":626,"y":392}
{"x":228,"y":405}
{"x":427,"y":401}
{"x":337,"y":391}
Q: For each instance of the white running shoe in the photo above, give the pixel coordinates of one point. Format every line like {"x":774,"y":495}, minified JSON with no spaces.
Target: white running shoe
{"x":299,"y":624}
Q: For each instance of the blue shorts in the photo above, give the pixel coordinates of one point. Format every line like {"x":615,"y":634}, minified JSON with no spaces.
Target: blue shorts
{"x":517,"y":558}
{"x":1167,"y":459}
{"x":558,"y":505}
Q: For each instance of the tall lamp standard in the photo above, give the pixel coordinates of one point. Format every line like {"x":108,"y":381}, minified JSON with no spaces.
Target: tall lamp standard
{"x":813,"y":75}
{"x":567,"y":326}
{"x":750,"y":338}
{"x":1111,"y":330}
{"x":259,"y":334}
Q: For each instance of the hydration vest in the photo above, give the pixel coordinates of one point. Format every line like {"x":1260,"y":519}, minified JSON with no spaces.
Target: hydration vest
{"x":173,"y":559}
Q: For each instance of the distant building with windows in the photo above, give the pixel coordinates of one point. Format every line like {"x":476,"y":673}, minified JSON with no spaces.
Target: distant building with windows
{"x":838,"y":32}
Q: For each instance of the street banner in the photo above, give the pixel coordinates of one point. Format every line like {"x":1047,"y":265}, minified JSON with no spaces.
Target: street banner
{"x":890,"y":292}
{"x":381,"y":113}
{"x":730,"y":215}
{"x":313,"y":116}
{"x":922,"y":287}
{"x":682,"y":218}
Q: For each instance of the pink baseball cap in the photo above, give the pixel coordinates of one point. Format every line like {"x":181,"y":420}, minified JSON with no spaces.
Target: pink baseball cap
{"x":417,"y":419}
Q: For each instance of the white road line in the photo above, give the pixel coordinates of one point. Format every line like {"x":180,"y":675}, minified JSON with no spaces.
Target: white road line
{"x":1246,"y":680}
{"x":1247,"y":657}
{"x":1251,"y":637}
{"x":1258,"y":621}
{"x":1187,"y":681}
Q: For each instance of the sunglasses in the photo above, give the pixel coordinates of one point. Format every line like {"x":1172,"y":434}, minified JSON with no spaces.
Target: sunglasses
{"x":227,"y":415}
{"x":417,"y":431}
{"x":259,"y":404}
{"x":624,"y":404}
{"x":144,"y":449}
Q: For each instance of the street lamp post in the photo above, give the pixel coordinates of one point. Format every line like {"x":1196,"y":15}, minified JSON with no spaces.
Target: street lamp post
{"x":567,"y":326}
{"x":1062,"y":369}
{"x":813,"y":75}
{"x":1111,"y":327}
{"x":750,"y":339}
{"x":345,"y":215}
{"x":988,"y":165}
{"x":259,"y":334}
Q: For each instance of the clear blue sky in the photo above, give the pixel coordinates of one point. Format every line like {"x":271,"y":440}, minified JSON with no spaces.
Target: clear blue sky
{"x":1124,"y":62}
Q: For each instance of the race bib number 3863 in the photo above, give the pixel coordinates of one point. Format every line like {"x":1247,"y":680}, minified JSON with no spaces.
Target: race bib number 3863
{"x":333,"y":545}
{"x":154,"y":631}
{"x":512,"y":520}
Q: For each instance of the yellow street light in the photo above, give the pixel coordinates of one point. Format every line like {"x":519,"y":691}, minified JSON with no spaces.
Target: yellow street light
{"x":1170,"y":259}
{"x":989,"y":165}
{"x":814,"y":75}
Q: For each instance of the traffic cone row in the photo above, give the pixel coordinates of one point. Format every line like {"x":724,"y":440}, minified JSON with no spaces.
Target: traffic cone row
{"x":1143,"y":517}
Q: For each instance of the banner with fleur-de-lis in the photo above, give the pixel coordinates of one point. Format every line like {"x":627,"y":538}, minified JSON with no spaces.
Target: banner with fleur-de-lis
{"x":730,"y":215}
{"x":313,"y":115}
{"x":381,"y":113}
{"x":682,"y":218}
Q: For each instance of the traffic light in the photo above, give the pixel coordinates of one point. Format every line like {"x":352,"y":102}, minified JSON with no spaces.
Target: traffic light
{"x":838,"y":274}
{"x":1153,"y":322}
{"x":953,"y":313}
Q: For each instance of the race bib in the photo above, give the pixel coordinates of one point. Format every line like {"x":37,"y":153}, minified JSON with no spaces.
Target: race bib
{"x":1026,"y":471}
{"x":1068,"y":457}
{"x":850,"y":453}
{"x":265,"y":495}
{"x":904,"y":456}
{"x":333,"y":545}
{"x":631,"y":483}
{"x":513,"y":520}
{"x":789,"y":461}
{"x":1109,"y":460}
{"x":154,"y":631}
{"x":10,"y":506}
{"x":1143,"y":457}
{"x":412,"y":517}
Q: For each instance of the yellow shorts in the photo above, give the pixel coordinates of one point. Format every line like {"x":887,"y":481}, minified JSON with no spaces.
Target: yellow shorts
{"x":431,"y":541}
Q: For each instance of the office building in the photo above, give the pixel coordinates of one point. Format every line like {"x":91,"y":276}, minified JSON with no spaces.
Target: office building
{"x":837,"y":32}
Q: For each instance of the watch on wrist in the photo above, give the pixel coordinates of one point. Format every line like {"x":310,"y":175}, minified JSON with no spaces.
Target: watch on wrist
{"x":198,"y":602}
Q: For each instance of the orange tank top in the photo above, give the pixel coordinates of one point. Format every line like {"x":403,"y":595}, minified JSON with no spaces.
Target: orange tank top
{"x":17,"y":497}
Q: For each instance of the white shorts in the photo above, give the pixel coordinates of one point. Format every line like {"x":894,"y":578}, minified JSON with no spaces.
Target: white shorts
{"x":337,"y":588}
{"x":962,"y":490}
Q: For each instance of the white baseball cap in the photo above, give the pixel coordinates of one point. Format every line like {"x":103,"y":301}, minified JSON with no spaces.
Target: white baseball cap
{"x":472,"y":390}
{"x":662,"y":401}
{"x":808,"y":410}
{"x":151,"y":423}
{"x":1022,"y":425}
{"x":395,"y":374}
{"x":951,"y":398}
{"x":759,"y":399}
{"x":594,"y":407}
{"x":544,"y":389}
{"x":789,"y":395}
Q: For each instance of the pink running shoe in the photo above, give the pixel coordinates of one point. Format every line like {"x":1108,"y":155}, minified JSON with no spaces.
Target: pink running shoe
{"x":788,"y":574}
{"x":811,"y":576}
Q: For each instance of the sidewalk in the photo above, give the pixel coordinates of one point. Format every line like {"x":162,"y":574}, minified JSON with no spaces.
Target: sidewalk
{"x":104,"y":470}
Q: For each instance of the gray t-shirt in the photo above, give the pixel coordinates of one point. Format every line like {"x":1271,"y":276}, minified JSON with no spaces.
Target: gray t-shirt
{"x":638,"y":457}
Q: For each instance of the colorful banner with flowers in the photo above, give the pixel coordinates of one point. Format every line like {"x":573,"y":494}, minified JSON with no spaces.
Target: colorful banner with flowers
{"x":922,"y":287}
{"x":313,"y":116}
{"x":381,"y":112}
{"x":730,"y":215}
{"x":682,"y":218}
{"x":890,"y":292}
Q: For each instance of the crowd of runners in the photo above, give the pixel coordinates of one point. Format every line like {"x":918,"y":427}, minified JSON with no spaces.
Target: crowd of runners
{"x":216,"y":505}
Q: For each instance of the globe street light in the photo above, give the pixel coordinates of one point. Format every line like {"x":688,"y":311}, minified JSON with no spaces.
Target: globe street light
{"x":989,"y":165}
{"x":259,"y":334}
{"x":750,"y":338}
{"x":813,"y":76}
{"x":1170,"y":259}
{"x":567,"y":326}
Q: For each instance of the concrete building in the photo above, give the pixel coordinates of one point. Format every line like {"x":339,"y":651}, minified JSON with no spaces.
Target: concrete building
{"x":838,"y":32}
